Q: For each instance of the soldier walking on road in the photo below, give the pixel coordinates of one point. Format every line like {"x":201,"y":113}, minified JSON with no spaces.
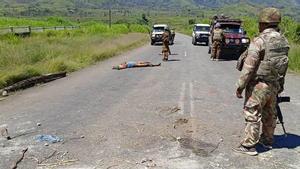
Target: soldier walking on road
{"x":262,"y":77}
{"x":218,"y":36}
{"x":166,"y":49}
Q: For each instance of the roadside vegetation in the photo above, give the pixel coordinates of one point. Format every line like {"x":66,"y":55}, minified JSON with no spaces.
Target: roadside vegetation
{"x":51,"y":21}
{"x":68,"y":50}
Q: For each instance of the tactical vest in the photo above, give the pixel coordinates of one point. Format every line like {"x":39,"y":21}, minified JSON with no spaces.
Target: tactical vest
{"x":217,"y":34}
{"x":274,"y":64}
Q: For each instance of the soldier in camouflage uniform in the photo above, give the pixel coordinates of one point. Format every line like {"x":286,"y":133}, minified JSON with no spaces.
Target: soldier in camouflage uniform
{"x":217,"y":37}
{"x":262,"y":77}
{"x":166,"y":49}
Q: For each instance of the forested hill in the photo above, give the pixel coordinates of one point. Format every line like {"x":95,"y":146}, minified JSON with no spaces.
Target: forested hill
{"x":62,"y":7}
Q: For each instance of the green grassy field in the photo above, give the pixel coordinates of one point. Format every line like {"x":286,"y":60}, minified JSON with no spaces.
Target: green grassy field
{"x":51,"y":21}
{"x":55,"y":51}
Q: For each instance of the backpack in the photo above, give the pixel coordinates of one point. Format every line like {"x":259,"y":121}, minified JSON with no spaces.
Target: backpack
{"x":274,"y":64}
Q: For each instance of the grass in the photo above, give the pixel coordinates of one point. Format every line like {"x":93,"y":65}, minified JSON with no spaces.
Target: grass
{"x":55,"y":51}
{"x":294,"y":58}
{"x":51,"y":21}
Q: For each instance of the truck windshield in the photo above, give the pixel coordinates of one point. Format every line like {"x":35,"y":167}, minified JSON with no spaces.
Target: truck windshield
{"x":232,"y":28}
{"x":201,"y":28}
{"x":158,"y":29}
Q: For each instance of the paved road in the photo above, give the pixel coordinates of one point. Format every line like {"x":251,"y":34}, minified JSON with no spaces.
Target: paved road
{"x":131,"y":118}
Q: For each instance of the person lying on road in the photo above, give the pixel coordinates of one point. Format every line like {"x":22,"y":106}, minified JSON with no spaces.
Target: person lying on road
{"x":132,"y":64}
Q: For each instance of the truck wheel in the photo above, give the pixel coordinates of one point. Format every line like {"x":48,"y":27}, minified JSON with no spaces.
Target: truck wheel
{"x":152,"y":43}
{"x":194,"y":42}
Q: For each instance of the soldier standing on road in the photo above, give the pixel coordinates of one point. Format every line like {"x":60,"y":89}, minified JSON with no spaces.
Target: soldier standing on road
{"x":165,"y":38}
{"x":263,"y":76}
{"x":218,"y":36}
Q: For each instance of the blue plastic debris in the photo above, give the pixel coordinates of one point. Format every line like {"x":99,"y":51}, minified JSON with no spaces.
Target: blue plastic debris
{"x":48,"y":138}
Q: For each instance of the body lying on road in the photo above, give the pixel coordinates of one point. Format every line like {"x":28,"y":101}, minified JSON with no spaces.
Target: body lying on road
{"x":132,"y":64}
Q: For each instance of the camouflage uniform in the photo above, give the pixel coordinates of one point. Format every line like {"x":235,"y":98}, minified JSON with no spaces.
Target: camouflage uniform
{"x":217,"y":42}
{"x":165,"y":38}
{"x":165,"y":52}
{"x":263,"y":79}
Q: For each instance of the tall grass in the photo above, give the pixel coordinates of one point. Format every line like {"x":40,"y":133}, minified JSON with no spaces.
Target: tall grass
{"x":68,"y":50}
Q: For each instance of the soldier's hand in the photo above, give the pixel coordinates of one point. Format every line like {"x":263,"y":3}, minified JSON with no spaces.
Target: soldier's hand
{"x":239,"y":93}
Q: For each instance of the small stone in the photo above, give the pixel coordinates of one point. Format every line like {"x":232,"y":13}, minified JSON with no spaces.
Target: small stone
{"x":178,"y":138}
{"x":38,"y":124}
{"x":82,"y":136}
{"x":144,"y":160}
{"x":46,"y":144}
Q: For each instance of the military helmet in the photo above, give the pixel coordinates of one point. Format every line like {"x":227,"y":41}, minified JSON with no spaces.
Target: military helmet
{"x":270,"y":15}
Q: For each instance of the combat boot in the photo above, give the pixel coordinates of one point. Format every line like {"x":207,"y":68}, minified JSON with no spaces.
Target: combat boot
{"x":264,"y":143}
{"x":245,"y":150}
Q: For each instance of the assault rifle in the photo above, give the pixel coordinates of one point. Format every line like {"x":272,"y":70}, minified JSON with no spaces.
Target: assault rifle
{"x":279,"y":113}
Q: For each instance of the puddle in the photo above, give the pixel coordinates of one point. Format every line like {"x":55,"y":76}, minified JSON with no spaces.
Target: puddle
{"x":197,"y":147}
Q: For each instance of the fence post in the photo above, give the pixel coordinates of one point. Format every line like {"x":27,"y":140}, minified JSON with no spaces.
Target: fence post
{"x":29,"y":29}
{"x":54,"y":27}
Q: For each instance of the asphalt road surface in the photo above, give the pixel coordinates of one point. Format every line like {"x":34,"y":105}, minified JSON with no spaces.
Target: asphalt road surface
{"x":181,"y":115}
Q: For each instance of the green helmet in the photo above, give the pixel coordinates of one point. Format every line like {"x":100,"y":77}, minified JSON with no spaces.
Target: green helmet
{"x":270,"y":15}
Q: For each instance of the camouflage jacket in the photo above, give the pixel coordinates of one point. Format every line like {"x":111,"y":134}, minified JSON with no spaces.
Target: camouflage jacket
{"x":218,"y":34}
{"x":255,"y":55}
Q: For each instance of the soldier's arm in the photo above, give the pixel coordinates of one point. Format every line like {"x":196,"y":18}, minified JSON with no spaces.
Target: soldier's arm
{"x":251,"y":63}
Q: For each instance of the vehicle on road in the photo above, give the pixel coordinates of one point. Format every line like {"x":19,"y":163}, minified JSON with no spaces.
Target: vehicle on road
{"x":201,"y":33}
{"x":158,"y":30}
{"x":235,"y":41}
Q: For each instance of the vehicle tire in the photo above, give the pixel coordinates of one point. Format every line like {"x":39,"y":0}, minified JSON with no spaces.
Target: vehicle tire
{"x":206,"y":44}
{"x":194,"y":42}
{"x":152,"y":43}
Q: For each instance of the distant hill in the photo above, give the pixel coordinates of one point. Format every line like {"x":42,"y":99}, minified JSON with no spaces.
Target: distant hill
{"x":88,"y":7}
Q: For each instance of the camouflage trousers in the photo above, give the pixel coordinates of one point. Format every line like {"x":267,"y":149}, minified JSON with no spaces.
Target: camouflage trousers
{"x":165,"y":53}
{"x":260,"y":107}
{"x":166,"y":47}
{"x":216,"y":49}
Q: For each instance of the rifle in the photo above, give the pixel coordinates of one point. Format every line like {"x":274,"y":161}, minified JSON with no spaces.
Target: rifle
{"x":279,"y":113}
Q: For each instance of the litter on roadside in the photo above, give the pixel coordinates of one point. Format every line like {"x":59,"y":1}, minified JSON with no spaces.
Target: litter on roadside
{"x":48,"y":138}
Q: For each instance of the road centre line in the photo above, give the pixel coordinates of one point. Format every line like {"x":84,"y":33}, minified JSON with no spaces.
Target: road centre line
{"x":192,"y":99}
{"x":181,"y":98}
